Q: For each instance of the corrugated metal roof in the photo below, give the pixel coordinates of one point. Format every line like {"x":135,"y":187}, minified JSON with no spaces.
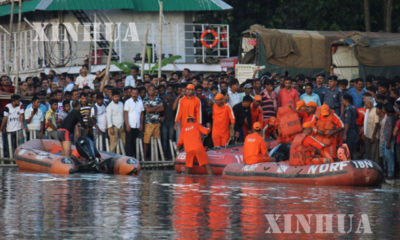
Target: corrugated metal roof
{"x":181,"y":5}
{"x":27,"y":6}
{"x":59,"y":5}
{"x":134,"y":5}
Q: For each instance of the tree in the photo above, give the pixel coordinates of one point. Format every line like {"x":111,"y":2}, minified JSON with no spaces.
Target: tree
{"x":367,"y":16}
{"x":387,"y":15}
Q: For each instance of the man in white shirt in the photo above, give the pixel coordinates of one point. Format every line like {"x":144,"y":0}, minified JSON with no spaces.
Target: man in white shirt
{"x":85,"y":79}
{"x":371,"y":123}
{"x":133,"y":115}
{"x":34,"y":119}
{"x":99,"y":119}
{"x":131,"y":79}
{"x":115,"y":120}
{"x":13,"y":120}
{"x":234,"y":96}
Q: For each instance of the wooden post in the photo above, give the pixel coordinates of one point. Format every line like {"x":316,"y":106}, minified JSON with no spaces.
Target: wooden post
{"x":144,"y":54}
{"x":160,"y":39}
{"x":10,"y":38}
{"x":105,"y":78}
{"x":18,"y":42}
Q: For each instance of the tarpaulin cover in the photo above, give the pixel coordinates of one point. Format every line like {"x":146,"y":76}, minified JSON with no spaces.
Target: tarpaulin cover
{"x":300,"y":49}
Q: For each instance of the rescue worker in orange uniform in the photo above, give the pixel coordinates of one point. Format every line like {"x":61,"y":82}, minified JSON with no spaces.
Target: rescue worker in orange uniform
{"x":223,"y":122}
{"x":301,"y":109}
{"x":303,"y":150}
{"x":254,"y":148}
{"x":188,"y":105}
{"x":270,"y":130}
{"x":311,"y":111}
{"x":256,"y":111}
{"x":190,"y":138}
{"x":327,"y":126}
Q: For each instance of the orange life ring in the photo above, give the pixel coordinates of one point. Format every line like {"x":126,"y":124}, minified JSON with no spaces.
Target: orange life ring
{"x":224,"y":38}
{"x":204,"y":43}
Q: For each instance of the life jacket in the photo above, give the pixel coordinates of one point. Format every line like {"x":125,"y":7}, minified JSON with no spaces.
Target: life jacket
{"x":360,"y":116}
{"x":343,"y":153}
{"x":288,"y":124}
{"x":324,"y":124}
{"x":299,"y":154}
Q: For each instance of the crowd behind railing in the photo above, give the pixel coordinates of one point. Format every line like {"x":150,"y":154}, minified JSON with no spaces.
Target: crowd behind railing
{"x":136,"y":115}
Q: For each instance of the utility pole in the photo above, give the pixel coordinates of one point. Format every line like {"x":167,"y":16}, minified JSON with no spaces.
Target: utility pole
{"x":10,"y":38}
{"x":160,"y":39}
{"x":18,"y":45}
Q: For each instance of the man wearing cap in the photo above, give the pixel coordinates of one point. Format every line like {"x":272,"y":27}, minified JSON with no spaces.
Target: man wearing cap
{"x":309,"y":95}
{"x":190,"y":138}
{"x":304,"y":146}
{"x":288,"y":96}
{"x":301,"y":109}
{"x":248,"y":90}
{"x":254,"y":148}
{"x":333,"y":96}
{"x":223,"y":122}
{"x":256,"y":112}
{"x":311,"y":108}
{"x":271,"y":129}
{"x":327,"y":127}
{"x":188,"y":105}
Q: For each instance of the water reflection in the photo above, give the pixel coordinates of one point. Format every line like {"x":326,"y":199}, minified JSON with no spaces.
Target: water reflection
{"x":162,"y":205}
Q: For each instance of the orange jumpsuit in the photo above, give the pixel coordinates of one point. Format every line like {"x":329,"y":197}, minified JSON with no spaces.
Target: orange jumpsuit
{"x":222,"y":117}
{"x":325,"y":124}
{"x":256,"y":116}
{"x":255,"y":149}
{"x":188,"y":106}
{"x":302,"y":151}
{"x":190,"y":137}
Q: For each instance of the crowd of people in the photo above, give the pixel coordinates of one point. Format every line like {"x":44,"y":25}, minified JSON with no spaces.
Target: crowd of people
{"x":363,"y":113}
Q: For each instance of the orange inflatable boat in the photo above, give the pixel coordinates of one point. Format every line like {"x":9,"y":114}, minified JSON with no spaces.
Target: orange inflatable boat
{"x":45,"y":156}
{"x":346,"y":173}
{"x":219,"y":158}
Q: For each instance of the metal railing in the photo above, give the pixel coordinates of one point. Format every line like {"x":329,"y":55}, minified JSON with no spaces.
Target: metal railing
{"x":8,"y":147}
{"x":182,"y":39}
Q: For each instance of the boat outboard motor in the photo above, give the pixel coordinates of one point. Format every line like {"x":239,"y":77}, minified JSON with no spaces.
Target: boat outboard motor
{"x":87,"y":150}
{"x":280,"y":152}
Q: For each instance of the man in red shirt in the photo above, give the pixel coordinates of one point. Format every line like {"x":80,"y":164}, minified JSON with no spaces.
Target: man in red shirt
{"x":288,"y":95}
{"x":190,"y":138}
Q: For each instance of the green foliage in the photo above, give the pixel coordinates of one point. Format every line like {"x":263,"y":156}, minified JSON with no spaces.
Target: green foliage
{"x":321,"y":15}
{"x":164,"y":62}
{"x":125,"y":66}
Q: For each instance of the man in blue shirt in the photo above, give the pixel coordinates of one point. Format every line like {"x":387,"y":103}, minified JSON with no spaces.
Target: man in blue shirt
{"x":348,"y":117}
{"x":319,"y":87}
{"x":309,"y":96}
{"x":333,"y":96}
{"x":357,"y":92}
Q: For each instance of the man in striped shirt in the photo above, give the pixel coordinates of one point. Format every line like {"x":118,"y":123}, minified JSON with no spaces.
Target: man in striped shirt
{"x":269,"y":103}
{"x":85,"y":114}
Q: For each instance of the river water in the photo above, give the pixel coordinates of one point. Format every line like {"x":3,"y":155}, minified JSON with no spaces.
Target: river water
{"x":165,"y":205}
